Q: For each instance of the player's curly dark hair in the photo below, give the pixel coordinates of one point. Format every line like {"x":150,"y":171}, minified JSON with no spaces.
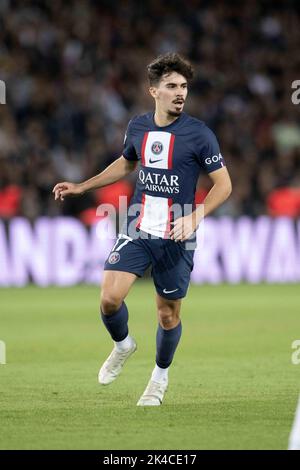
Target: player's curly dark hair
{"x":168,"y":63}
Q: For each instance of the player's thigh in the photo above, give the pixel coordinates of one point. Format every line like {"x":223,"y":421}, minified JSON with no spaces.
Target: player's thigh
{"x":127,"y":260}
{"x":172,"y":271}
{"x":115,"y":286}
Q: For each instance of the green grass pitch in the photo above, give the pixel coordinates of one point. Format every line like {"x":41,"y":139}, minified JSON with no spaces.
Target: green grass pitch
{"x":232,"y":384}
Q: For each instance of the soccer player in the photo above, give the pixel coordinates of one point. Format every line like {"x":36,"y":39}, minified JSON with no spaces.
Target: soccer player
{"x":171,"y":148}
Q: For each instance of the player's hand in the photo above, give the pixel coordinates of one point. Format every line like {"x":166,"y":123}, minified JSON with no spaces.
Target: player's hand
{"x":184,"y":227}
{"x":66,"y":189}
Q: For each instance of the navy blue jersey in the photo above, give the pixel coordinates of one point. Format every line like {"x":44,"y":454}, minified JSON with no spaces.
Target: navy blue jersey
{"x":170,"y":161}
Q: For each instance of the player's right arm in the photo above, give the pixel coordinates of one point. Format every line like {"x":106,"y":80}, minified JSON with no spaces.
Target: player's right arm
{"x":114,"y":172}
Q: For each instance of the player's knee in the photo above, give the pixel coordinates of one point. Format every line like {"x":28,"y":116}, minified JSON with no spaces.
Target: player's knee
{"x":168,"y":317}
{"x":110,"y":302}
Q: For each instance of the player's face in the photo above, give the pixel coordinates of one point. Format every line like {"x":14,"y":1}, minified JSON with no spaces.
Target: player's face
{"x":170,"y":94}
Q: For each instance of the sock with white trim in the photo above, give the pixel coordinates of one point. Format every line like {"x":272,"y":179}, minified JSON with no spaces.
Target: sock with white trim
{"x":166,"y":344}
{"x":124,"y":345}
{"x":159,"y":374}
{"x":117,"y":323}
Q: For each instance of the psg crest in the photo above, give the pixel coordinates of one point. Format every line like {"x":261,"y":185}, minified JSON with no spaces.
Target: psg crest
{"x":157,"y":147}
{"x":114,"y":257}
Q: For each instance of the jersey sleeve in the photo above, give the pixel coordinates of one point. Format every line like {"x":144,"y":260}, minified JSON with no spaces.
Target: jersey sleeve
{"x":209,"y":154}
{"x":129,"y":151}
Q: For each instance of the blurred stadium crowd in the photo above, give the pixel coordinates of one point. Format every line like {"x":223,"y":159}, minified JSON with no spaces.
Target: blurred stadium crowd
{"x":75,"y":74}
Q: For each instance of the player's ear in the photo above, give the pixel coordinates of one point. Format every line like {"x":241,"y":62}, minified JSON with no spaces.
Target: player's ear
{"x":153,"y":91}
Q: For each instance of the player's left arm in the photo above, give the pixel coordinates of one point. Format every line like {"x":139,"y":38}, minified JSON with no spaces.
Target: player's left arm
{"x":184,"y":227}
{"x":218,"y":194}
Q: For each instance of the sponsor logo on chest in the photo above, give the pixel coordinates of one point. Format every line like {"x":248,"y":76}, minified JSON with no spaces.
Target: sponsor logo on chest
{"x":159,"y":183}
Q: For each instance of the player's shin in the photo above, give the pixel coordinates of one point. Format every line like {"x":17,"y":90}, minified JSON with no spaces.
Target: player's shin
{"x":117,"y":325}
{"x":166,"y":344}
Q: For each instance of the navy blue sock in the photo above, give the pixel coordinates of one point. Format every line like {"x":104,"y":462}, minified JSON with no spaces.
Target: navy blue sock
{"x":166,"y":344}
{"x":116,"y":324}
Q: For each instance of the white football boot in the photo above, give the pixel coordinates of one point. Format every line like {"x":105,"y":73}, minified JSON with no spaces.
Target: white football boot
{"x":114,"y":363}
{"x":153,"y":394}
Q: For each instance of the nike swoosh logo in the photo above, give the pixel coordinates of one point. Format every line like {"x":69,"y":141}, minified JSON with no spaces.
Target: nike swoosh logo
{"x":155,"y":161}
{"x":169,"y":291}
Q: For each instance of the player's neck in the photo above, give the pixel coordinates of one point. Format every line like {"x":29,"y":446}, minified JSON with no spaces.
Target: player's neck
{"x":163,"y":119}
